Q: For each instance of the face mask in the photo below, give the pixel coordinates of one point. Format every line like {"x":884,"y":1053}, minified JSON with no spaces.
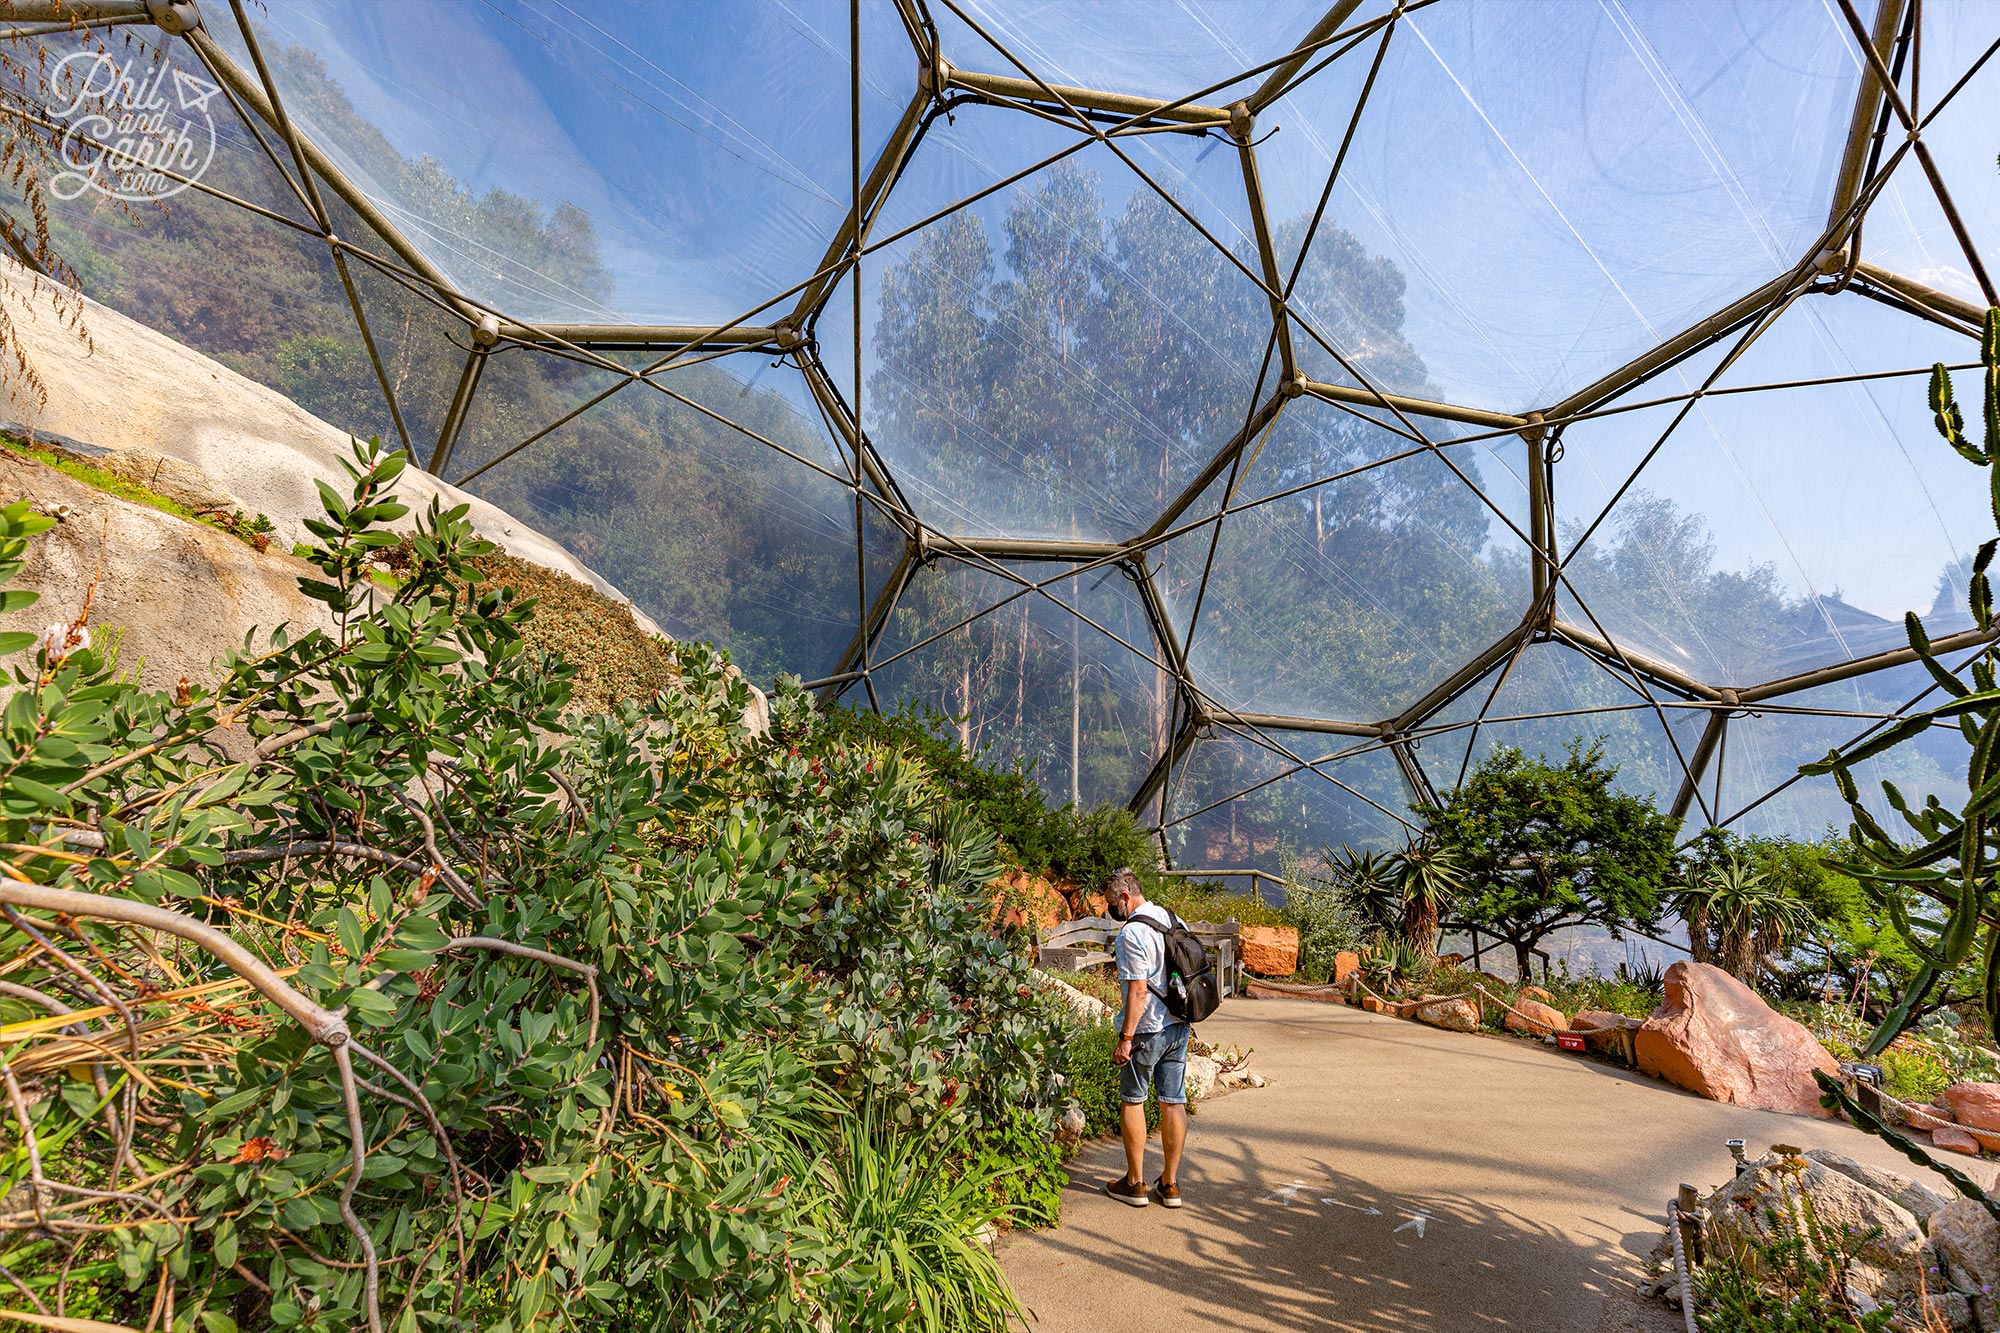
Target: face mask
{"x":1118,"y":912}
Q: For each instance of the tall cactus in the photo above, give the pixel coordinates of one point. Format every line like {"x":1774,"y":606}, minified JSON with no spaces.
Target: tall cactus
{"x":1951,"y":866}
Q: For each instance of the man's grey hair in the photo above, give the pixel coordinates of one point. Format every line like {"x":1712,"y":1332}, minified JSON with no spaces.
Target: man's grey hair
{"x":1125,"y":875}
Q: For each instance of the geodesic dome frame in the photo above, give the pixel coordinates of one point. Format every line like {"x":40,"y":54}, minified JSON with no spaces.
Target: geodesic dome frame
{"x":968,"y":59}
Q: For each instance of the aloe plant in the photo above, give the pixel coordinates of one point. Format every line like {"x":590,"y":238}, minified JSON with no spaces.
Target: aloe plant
{"x":1949,"y":869}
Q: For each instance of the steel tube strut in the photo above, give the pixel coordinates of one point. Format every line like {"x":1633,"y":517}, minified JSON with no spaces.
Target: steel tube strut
{"x":1704,"y":750}
{"x":1660,"y":672}
{"x":1471,"y":416}
{"x":1917,"y":293}
{"x":1867,"y":108}
{"x":1273,"y":86}
{"x":1673,"y":349}
{"x":1862,"y":666}
{"x":1088,"y":99}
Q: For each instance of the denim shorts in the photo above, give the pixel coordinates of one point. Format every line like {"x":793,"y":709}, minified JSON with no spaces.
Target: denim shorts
{"x":1159,"y":1061}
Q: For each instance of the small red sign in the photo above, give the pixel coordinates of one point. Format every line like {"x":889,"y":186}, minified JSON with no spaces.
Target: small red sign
{"x":1570,"y":1041}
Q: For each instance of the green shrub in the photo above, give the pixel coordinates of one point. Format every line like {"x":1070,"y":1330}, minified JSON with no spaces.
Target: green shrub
{"x":1574,"y":993}
{"x":1326,"y":919}
{"x":1913,"y":1074}
{"x":1057,"y":842}
{"x":1026,"y":1167}
{"x":899,"y":1232}
{"x":1192,"y":900}
{"x":1092,"y":1079}
{"x":599,"y":976}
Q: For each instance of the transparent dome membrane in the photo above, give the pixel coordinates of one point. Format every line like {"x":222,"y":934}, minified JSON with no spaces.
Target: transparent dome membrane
{"x":1219,"y":422}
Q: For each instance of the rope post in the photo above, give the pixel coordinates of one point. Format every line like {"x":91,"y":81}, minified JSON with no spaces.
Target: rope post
{"x":1686,"y":1242}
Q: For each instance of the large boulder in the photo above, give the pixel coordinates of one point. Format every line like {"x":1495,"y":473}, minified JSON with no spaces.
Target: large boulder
{"x":1965,"y":1249}
{"x":1535,"y":1018}
{"x":1974,"y":1105}
{"x":1595,"y":1020}
{"x":178,"y":596}
{"x":1456,"y":1014}
{"x":163,"y":474}
{"x":1271,"y":951}
{"x":1921,"y":1201}
{"x":132,"y":388}
{"x":1769,"y":1199}
{"x":1715,"y":1036}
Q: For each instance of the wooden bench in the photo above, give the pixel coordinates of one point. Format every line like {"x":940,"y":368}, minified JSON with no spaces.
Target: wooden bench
{"x":1086,"y":942}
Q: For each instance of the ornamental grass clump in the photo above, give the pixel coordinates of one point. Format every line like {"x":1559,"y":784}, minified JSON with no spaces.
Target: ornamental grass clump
{"x":371,"y":988}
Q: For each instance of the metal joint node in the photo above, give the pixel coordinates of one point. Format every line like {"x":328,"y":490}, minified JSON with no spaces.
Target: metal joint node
{"x":934,"y":76}
{"x":1242,"y":122}
{"x":1295,"y":387}
{"x":789,"y":338}
{"x":1534,"y":430}
{"x":1830,"y":260}
{"x":486,"y":332}
{"x":174,"y":17}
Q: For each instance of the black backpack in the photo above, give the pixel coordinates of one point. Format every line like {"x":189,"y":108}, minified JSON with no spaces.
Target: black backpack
{"x":1193,"y":991}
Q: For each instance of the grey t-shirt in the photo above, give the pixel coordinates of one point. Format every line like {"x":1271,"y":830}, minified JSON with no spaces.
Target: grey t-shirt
{"x":1142,"y":956}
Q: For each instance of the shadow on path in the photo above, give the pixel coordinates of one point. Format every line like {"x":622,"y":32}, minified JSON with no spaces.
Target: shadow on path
{"x":1393,"y":1178}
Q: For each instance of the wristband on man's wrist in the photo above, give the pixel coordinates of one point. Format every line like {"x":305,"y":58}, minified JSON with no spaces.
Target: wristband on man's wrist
{"x":1127,"y":1036}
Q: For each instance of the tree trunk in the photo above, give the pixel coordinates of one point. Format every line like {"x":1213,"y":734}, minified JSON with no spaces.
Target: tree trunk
{"x":1420,"y":927}
{"x":1699,"y":947}
{"x":1075,"y":716}
{"x":1523,"y":962}
{"x":1738,"y":955}
{"x":965,"y":707}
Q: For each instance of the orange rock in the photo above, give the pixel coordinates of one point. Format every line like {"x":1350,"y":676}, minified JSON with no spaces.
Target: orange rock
{"x":1537,"y":993}
{"x":1450,"y":959}
{"x":1953,"y":1139}
{"x":1715,"y":1036}
{"x":1536,"y":1017}
{"x":1594,"y":1020}
{"x":1976,"y":1105}
{"x":1272,"y":951}
{"x":1345,"y":965}
{"x":1455,"y":1015}
{"x":1372,"y":1005}
{"x":1089,"y":904}
{"x":1024,"y":902}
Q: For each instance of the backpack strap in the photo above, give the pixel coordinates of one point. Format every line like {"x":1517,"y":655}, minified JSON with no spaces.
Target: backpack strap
{"x":1161,"y":931}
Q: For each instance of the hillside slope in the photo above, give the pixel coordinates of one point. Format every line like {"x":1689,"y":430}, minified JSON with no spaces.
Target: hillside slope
{"x":136,"y":389}
{"x":179,"y":594}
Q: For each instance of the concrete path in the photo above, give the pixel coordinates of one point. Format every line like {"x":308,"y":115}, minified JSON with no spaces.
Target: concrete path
{"x":1395,"y":1177}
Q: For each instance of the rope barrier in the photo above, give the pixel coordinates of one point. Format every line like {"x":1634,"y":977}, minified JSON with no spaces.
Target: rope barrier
{"x":1675,"y":1220}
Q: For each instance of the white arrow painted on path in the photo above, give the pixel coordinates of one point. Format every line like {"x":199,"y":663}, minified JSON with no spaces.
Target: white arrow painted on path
{"x":1359,"y":1208}
{"x":1288,"y":1193}
{"x":1417,"y":1220}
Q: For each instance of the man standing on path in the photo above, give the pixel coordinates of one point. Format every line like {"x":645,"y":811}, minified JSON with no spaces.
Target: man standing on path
{"x":1152,"y":1046}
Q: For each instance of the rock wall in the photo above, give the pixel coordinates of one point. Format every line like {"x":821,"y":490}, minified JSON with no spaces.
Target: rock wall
{"x":179,"y":595}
